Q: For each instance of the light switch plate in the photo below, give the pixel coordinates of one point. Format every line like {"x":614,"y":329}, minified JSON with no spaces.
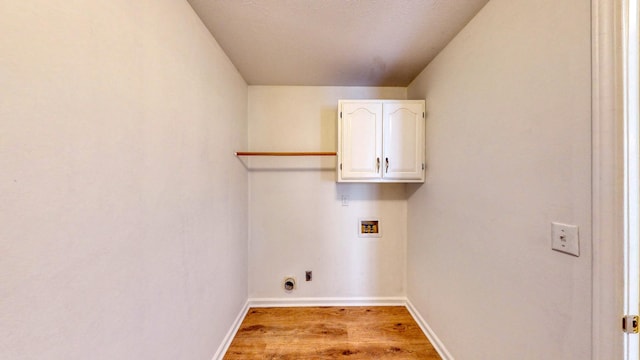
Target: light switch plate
{"x":564,"y":238}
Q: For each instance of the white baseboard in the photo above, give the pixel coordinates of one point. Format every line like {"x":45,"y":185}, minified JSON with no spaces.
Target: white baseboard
{"x":222,"y":349}
{"x":302,"y":302}
{"x":358,"y":301}
{"x":426,"y":329}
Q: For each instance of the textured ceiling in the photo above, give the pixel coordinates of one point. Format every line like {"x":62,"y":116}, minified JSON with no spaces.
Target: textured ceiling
{"x":334,"y":42}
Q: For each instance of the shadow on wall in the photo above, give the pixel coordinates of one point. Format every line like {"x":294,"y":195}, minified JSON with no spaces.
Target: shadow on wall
{"x":372,"y":191}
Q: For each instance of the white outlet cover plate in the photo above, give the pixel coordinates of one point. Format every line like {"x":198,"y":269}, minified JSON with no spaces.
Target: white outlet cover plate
{"x":345,"y":200}
{"x":564,"y":238}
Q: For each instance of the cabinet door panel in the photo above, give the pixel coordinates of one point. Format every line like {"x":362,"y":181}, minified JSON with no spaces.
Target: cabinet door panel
{"x":361,"y":140}
{"x":403,"y":141}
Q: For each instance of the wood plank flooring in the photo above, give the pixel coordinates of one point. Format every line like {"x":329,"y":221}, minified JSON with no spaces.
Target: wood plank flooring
{"x":380,"y":332}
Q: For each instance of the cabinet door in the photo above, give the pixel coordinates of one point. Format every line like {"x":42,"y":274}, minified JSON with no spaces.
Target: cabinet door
{"x":403,"y":129}
{"x":360,"y":140}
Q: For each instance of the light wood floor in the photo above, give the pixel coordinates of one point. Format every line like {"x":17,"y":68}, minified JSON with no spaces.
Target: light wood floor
{"x":382,"y":332}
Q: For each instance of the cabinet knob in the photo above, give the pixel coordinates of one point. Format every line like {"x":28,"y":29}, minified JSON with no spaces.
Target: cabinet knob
{"x":386,"y":161}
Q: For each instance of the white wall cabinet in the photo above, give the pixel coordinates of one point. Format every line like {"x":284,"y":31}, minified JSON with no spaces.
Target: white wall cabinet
{"x":381,"y":141}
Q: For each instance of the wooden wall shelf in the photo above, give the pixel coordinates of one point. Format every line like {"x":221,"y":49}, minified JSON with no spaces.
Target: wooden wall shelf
{"x":275,"y":153}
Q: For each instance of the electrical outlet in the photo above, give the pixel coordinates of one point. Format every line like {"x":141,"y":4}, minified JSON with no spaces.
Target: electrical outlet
{"x":308,"y":275}
{"x":345,"y":200}
{"x":564,"y":238}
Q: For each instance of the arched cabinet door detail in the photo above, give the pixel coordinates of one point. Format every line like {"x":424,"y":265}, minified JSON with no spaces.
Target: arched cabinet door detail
{"x":381,"y":141}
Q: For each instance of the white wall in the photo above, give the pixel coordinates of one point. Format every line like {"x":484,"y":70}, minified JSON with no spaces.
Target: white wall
{"x":508,"y":151}
{"x":122,"y":211}
{"x":297,"y":222}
